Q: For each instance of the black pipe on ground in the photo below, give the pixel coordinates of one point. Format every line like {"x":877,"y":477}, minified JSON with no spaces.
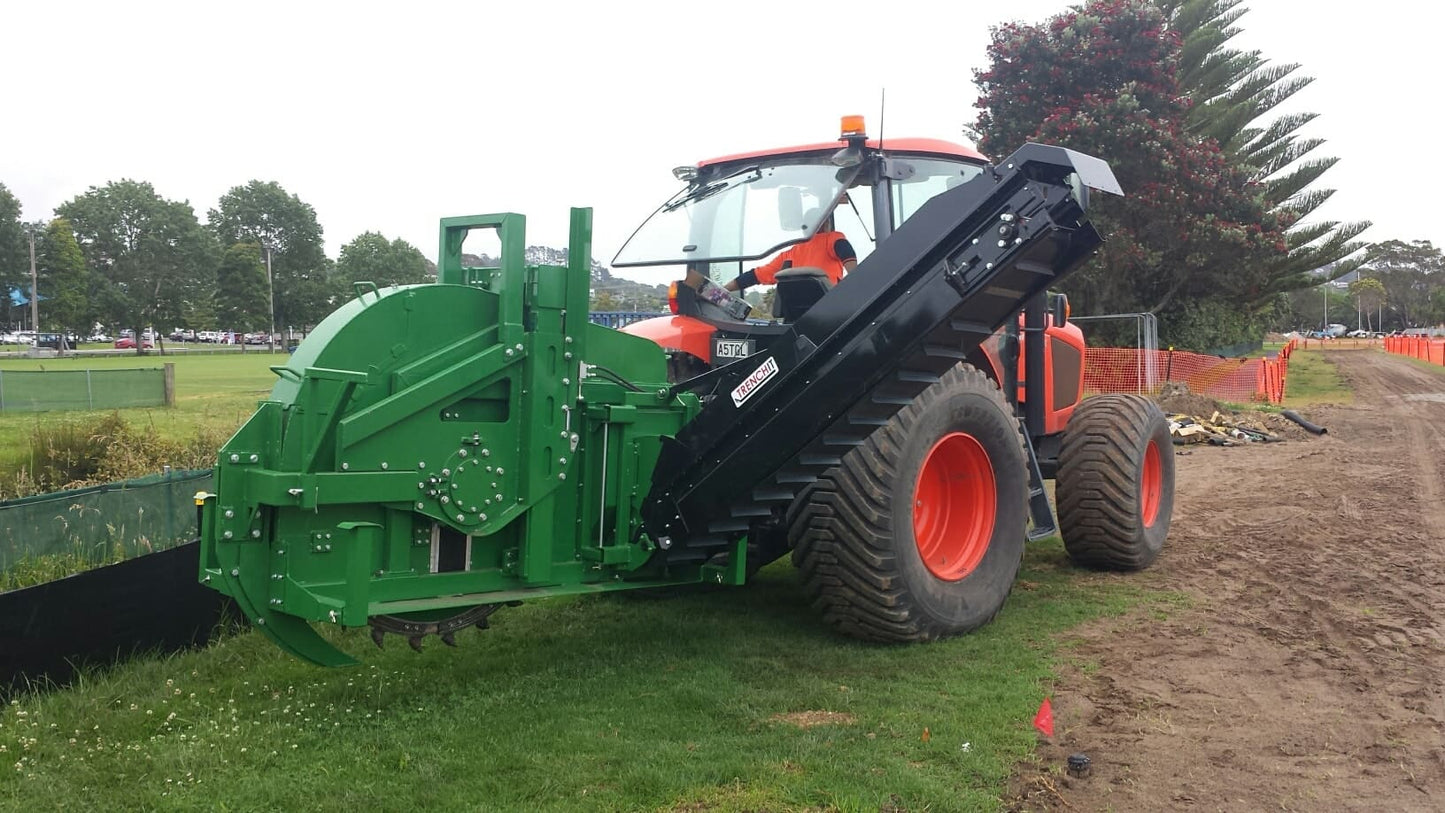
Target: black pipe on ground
{"x":1312,"y":428}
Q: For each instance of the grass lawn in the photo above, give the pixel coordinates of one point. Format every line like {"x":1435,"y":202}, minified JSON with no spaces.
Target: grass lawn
{"x":1312,"y":379}
{"x":213,"y":391}
{"x":729,"y":700}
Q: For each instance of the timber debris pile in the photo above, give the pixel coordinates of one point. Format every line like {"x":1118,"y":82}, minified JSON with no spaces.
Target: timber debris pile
{"x":1219,"y":430}
{"x":1195,"y":419}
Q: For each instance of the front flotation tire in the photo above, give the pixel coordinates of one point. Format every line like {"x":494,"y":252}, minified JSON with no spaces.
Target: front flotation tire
{"x":918,"y":534}
{"x":1115,"y":484}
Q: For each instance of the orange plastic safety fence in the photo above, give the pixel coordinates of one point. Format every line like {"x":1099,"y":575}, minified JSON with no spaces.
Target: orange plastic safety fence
{"x":1340,"y":344}
{"x":1127,"y":369}
{"x":1420,"y":347}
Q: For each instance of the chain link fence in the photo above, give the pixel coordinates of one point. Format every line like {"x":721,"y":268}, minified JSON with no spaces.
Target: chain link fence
{"x":52,"y":390}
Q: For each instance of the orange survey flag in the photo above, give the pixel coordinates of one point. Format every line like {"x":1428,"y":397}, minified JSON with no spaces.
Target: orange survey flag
{"x":1044,"y":719}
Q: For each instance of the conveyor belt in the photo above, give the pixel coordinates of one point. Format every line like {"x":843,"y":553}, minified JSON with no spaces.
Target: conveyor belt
{"x":931,"y":293}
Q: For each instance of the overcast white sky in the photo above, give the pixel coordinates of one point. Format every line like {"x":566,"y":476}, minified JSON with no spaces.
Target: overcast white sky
{"x":388,"y":116}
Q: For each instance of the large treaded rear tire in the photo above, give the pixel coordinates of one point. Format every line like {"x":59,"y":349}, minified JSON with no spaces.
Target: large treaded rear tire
{"x":857,"y":551}
{"x":1114,"y":504}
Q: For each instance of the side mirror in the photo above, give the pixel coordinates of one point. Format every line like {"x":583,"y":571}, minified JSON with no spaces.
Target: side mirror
{"x":1060,"y":310}
{"x":790,"y":208}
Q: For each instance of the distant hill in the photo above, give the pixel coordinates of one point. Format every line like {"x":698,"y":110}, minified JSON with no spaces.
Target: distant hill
{"x":609,"y":293}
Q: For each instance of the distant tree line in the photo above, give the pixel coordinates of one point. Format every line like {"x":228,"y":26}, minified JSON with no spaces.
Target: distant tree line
{"x":120,"y":255}
{"x":1400,"y":286}
{"x":608,"y":293}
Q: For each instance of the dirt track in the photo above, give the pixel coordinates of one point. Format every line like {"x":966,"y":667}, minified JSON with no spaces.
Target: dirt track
{"x":1309,"y":670}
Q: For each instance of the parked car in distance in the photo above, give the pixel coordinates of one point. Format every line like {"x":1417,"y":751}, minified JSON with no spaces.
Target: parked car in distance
{"x":128,"y":343}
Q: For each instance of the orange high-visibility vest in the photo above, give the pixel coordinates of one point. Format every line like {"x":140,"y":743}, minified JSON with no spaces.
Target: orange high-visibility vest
{"x":819,"y":251}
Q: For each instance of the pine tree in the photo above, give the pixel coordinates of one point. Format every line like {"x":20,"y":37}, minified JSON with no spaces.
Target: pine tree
{"x":1234,"y":93}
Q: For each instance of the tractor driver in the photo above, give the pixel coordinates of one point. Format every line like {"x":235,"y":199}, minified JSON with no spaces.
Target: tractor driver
{"x":828,"y":249}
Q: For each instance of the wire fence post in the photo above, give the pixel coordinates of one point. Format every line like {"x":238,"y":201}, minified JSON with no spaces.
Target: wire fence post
{"x":170,"y":504}
{"x":1146,"y":347}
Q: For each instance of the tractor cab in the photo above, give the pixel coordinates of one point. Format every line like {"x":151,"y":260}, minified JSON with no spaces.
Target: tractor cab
{"x":738,"y":211}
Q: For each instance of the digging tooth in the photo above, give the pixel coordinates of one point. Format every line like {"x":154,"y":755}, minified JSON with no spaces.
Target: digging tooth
{"x":482,"y":624}
{"x":415,"y":642}
{"x":378,"y":637}
{"x":448,"y":638}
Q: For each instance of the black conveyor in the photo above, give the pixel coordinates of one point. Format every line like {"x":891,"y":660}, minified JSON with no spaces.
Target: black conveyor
{"x":932,"y":292}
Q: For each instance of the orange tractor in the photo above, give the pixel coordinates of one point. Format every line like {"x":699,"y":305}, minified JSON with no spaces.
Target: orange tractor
{"x":432,"y":453}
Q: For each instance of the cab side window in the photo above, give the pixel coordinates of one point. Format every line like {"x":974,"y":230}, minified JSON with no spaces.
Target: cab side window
{"x":930,"y":178}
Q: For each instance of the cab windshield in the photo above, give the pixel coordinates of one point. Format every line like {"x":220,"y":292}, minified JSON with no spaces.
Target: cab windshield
{"x":739,"y":213}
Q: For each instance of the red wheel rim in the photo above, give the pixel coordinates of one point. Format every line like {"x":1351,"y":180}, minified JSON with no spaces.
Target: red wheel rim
{"x":1151,"y":487}
{"x":955,"y":503}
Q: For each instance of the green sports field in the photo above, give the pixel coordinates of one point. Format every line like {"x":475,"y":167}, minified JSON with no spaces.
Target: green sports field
{"x":214,"y":395}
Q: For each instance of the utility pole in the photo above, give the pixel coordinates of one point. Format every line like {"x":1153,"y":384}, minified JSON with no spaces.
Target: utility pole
{"x":270,"y":300}
{"x":34,"y":286}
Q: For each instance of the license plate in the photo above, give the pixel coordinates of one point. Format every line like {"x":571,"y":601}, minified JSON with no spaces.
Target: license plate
{"x":728,"y":349}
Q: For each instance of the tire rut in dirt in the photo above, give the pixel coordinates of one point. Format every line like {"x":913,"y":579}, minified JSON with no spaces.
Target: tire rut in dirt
{"x":1315,"y":576}
{"x":1398,"y":379}
{"x":860,"y":563}
{"x":1103,"y":468}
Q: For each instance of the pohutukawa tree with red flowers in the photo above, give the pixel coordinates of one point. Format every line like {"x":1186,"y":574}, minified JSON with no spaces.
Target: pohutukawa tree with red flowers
{"x":1199,"y":239}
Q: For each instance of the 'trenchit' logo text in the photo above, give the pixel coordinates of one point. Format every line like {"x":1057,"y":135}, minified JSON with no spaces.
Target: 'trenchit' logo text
{"x":755,"y":380}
